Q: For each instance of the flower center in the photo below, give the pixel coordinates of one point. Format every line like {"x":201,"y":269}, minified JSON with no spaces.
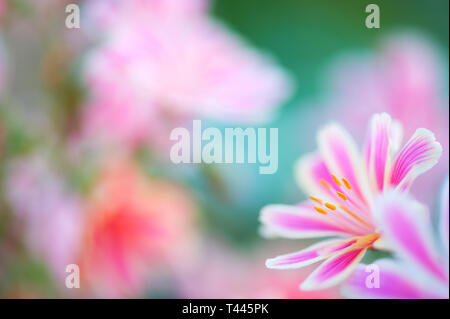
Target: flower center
{"x":341,"y":191}
{"x":367,"y":240}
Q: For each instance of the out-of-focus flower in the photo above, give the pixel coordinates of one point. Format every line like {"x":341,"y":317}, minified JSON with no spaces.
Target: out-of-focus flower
{"x":3,"y":8}
{"x":161,"y":62}
{"x":233,"y":274}
{"x":2,"y":136}
{"x":2,"y":64}
{"x":404,"y":78}
{"x":2,"y":74}
{"x":50,"y":213}
{"x":344,"y":184}
{"x":134,"y":228}
{"x":422,"y":267}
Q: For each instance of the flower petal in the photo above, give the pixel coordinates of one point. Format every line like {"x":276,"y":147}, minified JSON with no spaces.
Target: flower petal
{"x":299,"y":222}
{"x":333,"y":270}
{"x":444,"y":218}
{"x":406,"y":225}
{"x":342,"y":158}
{"x":378,"y":149}
{"x":310,"y":255}
{"x":387,"y":279}
{"x":310,"y":170}
{"x":396,"y":135}
{"x":419,"y":154}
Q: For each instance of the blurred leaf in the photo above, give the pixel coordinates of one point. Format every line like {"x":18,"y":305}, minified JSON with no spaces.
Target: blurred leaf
{"x":26,"y":276}
{"x":372,"y":255}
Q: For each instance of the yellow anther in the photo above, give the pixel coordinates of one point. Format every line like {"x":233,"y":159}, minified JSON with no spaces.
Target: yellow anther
{"x":346,"y":183}
{"x":320,"y":210}
{"x":318,"y":201}
{"x":353,"y":215}
{"x":330,"y":206}
{"x":325,"y":184}
{"x":341,"y":195}
{"x":336,"y":180}
{"x":366,"y":240}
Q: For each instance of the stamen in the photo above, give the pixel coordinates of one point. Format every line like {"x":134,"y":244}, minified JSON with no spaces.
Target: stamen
{"x":353,"y":215}
{"x":330,"y":206}
{"x":336,"y":180}
{"x":341,"y":195}
{"x":366,"y":240}
{"x":325,"y":184}
{"x":346,"y":183}
{"x":320,"y":210}
{"x":318,"y":201}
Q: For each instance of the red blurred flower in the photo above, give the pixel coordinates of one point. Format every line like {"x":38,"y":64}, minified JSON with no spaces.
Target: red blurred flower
{"x":134,"y":228}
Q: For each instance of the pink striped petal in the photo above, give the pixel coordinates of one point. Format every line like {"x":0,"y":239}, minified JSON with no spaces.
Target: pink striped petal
{"x":406,"y":226}
{"x":396,"y":136}
{"x":378,"y":148}
{"x":342,"y":158}
{"x":310,"y":170}
{"x":299,"y":222}
{"x":334,"y":270}
{"x":443,"y":218}
{"x":394,"y":281}
{"x":419,"y":154}
{"x":310,"y":255}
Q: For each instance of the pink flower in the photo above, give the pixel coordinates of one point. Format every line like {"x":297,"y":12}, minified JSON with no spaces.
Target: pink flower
{"x":421,"y":269}
{"x":48,"y":212}
{"x":135,"y":230}
{"x":2,"y":64}
{"x":3,"y":9}
{"x":405,"y":77}
{"x":233,"y":274}
{"x":344,"y":185}
{"x":163,"y":61}
{"x":129,"y":231}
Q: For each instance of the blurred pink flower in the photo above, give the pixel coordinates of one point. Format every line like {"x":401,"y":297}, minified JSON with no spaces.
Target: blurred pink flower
{"x":2,"y":136}
{"x":404,"y":78}
{"x":233,"y":274}
{"x":2,"y":66}
{"x":422,"y":267}
{"x":163,"y":61}
{"x":49,"y":212}
{"x":344,"y":205}
{"x":134,"y":229}
{"x":3,"y":8}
